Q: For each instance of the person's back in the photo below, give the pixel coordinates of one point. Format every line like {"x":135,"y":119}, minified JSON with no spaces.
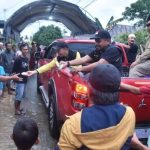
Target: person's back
{"x":105,"y":125}
{"x":25,"y":133}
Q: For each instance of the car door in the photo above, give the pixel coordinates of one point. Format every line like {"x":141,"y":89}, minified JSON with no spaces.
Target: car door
{"x":139,"y":103}
{"x":44,"y":77}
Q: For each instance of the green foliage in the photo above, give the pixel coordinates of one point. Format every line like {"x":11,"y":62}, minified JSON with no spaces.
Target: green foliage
{"x":122,"y":38}
{"x":111,"y":22}
{"x":138,"y":10}
{"x":46,"y":35}
{"x":141,"y":37}
{"x":98,"y":23}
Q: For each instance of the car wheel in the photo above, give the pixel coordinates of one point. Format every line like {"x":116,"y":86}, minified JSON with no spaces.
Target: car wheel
{"x":52,"y":117}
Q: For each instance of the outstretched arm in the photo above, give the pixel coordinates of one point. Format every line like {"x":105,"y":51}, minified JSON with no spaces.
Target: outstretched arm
{"x":90,"y":67}
{"x":44,"y":68}
{"x":76,"y":62}
{"x":131,"y":88}
{"x":6,"y":78}
{"x":136,"y":144}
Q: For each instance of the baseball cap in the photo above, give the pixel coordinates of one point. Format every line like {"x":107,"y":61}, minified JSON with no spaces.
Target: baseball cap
{"x":105,"y":78}
{"x":102,"y":34}
{"x":60,"y":45}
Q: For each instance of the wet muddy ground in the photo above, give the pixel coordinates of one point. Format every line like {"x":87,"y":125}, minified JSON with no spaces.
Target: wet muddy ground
{"x":35,"y":109}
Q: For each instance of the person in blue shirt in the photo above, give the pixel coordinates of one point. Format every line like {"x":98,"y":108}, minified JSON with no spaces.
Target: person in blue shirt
{"x":2,"y":73}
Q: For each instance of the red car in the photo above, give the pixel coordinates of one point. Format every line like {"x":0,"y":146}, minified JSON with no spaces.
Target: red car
{"x":68,"y":93}
{"x":65,"y":93}
{"x":46,"y":80}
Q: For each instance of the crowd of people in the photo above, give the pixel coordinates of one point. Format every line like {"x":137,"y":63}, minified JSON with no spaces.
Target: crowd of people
{"x":14,"y":60}
{"x":113,"y":124}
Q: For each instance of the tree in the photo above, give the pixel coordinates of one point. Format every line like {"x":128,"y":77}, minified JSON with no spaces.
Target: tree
{"x":98,"y":23}
{"x":111,"y":22}
{"x":141,"y":37}
{"x":64,"y":32}
{"x":122,"y":38}
{"x":46,"y":35}
{"x":138,"y":10}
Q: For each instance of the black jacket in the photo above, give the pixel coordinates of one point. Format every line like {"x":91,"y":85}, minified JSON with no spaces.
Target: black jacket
{"x":21,"y":64}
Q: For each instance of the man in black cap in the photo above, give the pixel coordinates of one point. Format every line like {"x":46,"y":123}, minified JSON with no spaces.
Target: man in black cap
{"x":140,"y":67}
{"x":105,"y":53}
{"x":63,"y":53}
{"x":106,"y":125}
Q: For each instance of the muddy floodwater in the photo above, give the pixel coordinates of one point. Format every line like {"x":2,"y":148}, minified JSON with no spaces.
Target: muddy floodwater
{"x":35,"y":109}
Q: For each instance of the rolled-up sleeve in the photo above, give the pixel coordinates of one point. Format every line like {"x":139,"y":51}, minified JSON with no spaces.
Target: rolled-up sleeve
{"x":47,"y":67}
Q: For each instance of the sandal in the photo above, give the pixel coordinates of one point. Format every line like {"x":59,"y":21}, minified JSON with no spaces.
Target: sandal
{"x":20,"y":113}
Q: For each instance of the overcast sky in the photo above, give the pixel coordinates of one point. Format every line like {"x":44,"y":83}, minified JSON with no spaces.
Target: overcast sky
{"x":102,"y":9}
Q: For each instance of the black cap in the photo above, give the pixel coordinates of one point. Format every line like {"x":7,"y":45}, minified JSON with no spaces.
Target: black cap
{"x":60,"y":45}
{"x":148,"y":18}
{"x":105,"y":78}
{"x":102,"y":34}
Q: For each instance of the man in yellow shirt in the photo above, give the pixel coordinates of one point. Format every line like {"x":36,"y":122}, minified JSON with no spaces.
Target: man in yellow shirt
{"x":63,"y":54}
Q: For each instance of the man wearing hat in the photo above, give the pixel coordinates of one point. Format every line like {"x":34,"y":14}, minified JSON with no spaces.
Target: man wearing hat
{"x":63,"y":54}
{"x":140,"y":67}
{"x":106,"y":125}
{"x":105,"y":53}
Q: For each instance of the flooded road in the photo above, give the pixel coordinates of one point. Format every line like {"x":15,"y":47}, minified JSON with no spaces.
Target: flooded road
{"x":35,"y":109}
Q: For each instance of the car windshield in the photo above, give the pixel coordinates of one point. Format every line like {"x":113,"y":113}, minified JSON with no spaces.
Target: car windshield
{"x":83,"y":48}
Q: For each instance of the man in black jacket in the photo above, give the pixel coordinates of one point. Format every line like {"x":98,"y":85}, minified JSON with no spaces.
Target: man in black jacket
{"x":21,"y":65}
{"x":105,"y":53}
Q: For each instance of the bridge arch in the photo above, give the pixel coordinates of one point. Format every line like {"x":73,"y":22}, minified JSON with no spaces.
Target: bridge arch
{"x":67,"y":13}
